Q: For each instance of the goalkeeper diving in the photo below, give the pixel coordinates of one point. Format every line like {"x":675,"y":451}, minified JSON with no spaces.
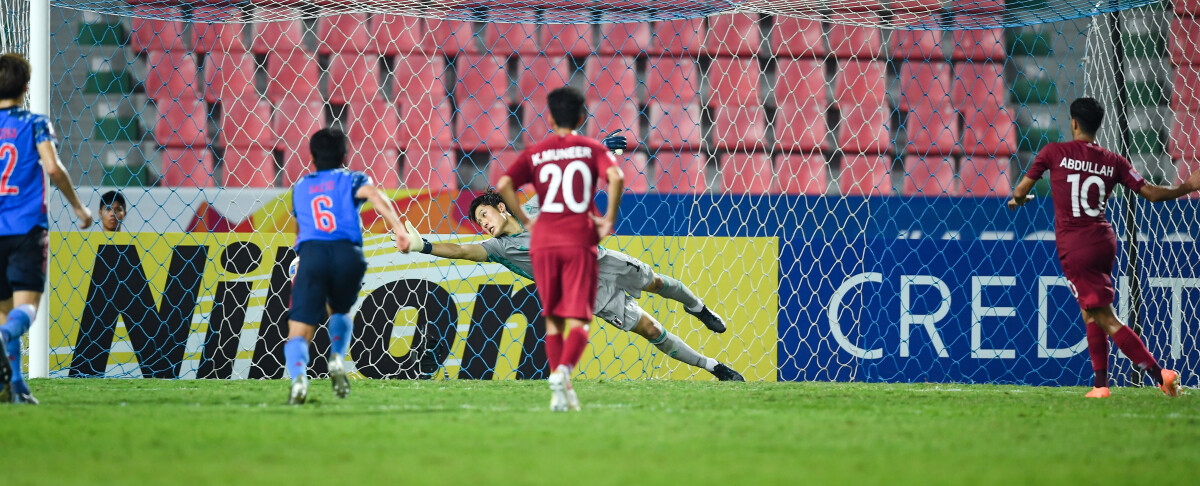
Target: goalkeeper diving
{"x":622,"y":280}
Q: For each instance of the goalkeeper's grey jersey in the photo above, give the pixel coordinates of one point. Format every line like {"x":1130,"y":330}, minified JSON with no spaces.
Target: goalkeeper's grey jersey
{"x":512,"y":251}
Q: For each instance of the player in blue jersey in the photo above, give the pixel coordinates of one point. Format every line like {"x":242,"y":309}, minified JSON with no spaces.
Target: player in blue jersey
{"x":329,"y":246}
{"x":27,"y":149}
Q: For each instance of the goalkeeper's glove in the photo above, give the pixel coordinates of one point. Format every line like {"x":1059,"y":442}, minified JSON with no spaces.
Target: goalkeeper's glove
{"x":616,"y":142}
{"x":416,"y":242}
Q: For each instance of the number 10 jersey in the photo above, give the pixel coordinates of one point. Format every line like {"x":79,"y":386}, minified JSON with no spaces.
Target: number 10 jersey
{"x":1082,"y":177}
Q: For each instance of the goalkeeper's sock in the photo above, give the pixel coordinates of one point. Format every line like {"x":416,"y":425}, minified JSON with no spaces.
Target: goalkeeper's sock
{"x":1135,"y":349}
{"x":341,"y":328}
{"x":18,"y":323}
{"x":573,"y":347}
{"x":675,"y":348}
{"x":1098,"y":350}
{"x":554,"y":347}
{"x":295,"y":351}
{"x":675,"y":290}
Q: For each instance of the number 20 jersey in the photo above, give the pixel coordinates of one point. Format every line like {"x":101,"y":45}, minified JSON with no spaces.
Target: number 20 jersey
{"x":564,"y":170}
{"x":1082,"y":177}
{"x":22,"y":188}
{"x":326,"y":208}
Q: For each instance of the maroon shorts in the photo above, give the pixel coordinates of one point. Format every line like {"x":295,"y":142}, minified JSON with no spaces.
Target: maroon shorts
{"x":1087,"y":256}
{"x":566,"y":278}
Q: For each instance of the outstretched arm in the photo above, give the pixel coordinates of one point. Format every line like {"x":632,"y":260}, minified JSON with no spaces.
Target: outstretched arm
{"x":1167,"y":193}
{"x":1021,"y":193}
{"x":475,"y":253}
{"x":383,"y":206}
{"x":62,"y":180}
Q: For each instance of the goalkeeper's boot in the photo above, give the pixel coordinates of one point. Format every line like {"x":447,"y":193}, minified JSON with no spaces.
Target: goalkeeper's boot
{"x":6,"y":371}
{"x":298,"y":393}
{"x":710,"y":319}
{"x":725,"y":373}
{"x":337,"y":375}
{"x":1098,"y":392}
{"x":1170,"y":384}
{"x":558,"y":392}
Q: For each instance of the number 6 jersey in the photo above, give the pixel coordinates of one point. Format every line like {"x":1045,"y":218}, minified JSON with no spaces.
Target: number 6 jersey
{"x":326,"y":208}
{"x":564,"y":170}
{"x":1082,"y":177}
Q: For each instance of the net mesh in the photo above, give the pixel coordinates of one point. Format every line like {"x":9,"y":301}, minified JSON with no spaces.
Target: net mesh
{"x":829,"y":176}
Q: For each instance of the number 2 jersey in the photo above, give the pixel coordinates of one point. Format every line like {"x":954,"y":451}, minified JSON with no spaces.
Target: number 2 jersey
{"x":22,"y":186}
{"x":326,"y":208}
{"x":1082,"y":177}
{"x":564,"y":170}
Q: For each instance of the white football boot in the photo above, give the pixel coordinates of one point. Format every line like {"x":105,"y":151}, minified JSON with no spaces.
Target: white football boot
{"x":299,"y":391}
{"x":337,"y":375}
{"x":558,"y":395}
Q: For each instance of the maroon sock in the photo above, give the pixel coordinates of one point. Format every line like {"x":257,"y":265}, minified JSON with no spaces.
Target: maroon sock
{"x":554,"y":349}
{"x":1098,"y":349}
{"x":1133,"y":347}
{"x":577,"y":340}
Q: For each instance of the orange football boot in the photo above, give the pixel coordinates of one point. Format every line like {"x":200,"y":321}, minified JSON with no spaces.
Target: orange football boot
{"x":1170,"y":384}
{"x":1098,"y":393}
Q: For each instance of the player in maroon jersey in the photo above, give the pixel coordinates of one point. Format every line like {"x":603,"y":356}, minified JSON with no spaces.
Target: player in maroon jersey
{"x":1082,"y":176}
{"x":564,"y":169}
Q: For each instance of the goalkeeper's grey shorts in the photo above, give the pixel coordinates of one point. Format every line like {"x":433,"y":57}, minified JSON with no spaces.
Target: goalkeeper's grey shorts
{"x":622,"y":279}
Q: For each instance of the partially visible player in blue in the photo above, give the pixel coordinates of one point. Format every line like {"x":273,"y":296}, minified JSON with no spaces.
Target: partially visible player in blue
{"x":329,"y":238}
{"x":27,"y":149}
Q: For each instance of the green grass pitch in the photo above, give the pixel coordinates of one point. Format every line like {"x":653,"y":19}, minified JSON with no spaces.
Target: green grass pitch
{"x":629,"y":433}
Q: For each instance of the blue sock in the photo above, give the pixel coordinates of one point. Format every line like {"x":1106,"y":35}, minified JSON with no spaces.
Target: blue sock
{"x":295,"y":351}
{"x":18,"y":323}
{"x":341,"y":329}
{"x":14,"y":358}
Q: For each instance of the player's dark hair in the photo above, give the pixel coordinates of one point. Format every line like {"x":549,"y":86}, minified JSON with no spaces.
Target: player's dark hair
{"x":328,"y":148}
{"x":14,"y":76}
{"x":1088,"y":113}
{"x":112,"y":197}
{"x":489,"y":198}
{"x":567,"y":106}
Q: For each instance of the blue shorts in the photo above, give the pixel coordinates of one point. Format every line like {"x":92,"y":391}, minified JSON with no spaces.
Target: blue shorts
{"x":330,"y":272}
{"x":23,"y":263}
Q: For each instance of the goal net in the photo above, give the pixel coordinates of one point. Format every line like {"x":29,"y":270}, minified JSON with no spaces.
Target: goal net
{"x":828,"y":176}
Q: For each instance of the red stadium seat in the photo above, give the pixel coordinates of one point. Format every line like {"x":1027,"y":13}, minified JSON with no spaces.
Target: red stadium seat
{"x":801,"y":174}
{"x":735,"y":34}
{"x":733,"y":81}
{"x":931,"y":176}
{"x":427,"y":124}
{"x":864,"y":129}
{"x":739,"y":127}
{"x":503,"y":39}
{"x":1185,"y":37}
{"x":933,"y":130}
{"x":429,"y":167}
{"x":451,"y":37}
{"x":978,"y":45}
{"x":918,"y":44}
{"x":801,"y":82}
{"x":246,"y":121}
{"x":283,"y":35}
{"x":674,"y":127}
{"x":393,"y":35}
{"x":353,"y":78}
{"x":672,"y":80}
{"x":855,"y":42}
{"x":482,"y":125}
{"x":979,"y":6}
{"x":677,"y":38}
{"x":680,"y":172}
{"x":420,"y":78}
{"x":865,"y":175}
{"x":228,"y":75}
{"x":152,"y":34}
{"x":343,"y":34}
{"x":218,"y":29}
{"x":292,"y":74}
{"x":794,"y":37}
{"x":186,"y":167}
{"x":182,"y":123}
{"x":293,"y":122}
{"x":566,"y":39}
{"x":481,"y":78}
{"x":538,"y":75}
{"x":925,"y":85}
{"x":860,"y":83}
{"x":978,"y":86}
{"x":989,"y":133}
{"x":609,"y":117}
{"x":374,"y":149}
{"x":1184,"y":169}
{"x":1183,"y":143}
{"x":625,"y":39}
{"x":612,"y":79}
{"x":171,"y":75}
{"x":1186,"y":93}
{"x":634,"y":166}
{"x":1186,"y":7}
{"x":985,"y":177}
{"x":746,"y":173}
{"x":248,"y":166}
{"x":499,"y":164}
{"x":800,"y":127}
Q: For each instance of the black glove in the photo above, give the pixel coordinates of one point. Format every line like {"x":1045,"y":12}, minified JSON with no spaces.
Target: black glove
{"x":615,"y":142}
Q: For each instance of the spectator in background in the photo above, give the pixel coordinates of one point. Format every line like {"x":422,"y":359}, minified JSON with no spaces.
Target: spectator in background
{"x":112,"y":210}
